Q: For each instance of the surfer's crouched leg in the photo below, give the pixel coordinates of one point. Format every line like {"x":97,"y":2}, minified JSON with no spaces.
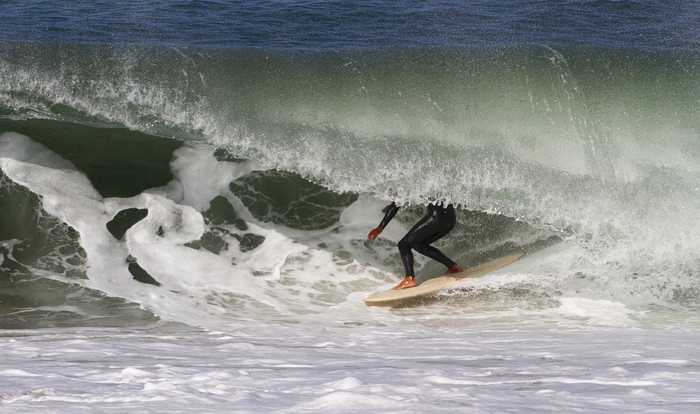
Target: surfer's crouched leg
{"x":409,"y":280}
{"x":433,"y":253}
{"x":406,"y":255}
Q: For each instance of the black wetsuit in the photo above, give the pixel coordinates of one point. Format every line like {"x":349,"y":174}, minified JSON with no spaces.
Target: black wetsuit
{"x":437,"y":222}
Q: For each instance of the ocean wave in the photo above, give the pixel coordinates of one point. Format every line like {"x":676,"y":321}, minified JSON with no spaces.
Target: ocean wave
{"x":596,"y":147}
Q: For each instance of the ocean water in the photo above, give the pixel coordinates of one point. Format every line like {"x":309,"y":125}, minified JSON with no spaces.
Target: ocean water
{"x":241,"y":152}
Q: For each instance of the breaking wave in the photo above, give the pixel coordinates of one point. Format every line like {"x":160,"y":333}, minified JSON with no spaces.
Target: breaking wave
{"x":261,"y":172}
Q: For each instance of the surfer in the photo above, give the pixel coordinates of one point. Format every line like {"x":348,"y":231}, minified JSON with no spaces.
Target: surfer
{"x":437,"y":222}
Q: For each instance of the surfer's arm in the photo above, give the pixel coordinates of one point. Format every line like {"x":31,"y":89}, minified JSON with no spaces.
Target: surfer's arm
{"x":389,"y":213}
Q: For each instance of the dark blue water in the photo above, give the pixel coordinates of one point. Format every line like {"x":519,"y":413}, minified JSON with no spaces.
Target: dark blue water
{"x":305,"y":24}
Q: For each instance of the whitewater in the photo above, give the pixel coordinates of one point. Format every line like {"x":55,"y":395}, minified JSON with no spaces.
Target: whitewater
{"x":238,"y":155}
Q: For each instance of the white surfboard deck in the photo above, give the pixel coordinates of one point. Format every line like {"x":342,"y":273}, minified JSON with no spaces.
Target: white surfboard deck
{"x":432,"y":286}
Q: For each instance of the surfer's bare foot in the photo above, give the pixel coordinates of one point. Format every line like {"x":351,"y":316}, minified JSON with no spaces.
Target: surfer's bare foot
{"x":455,"y":269}
{"x":407,"y":282}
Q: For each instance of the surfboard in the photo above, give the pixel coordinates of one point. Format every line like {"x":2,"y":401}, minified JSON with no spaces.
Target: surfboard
{"x":432,"y":286}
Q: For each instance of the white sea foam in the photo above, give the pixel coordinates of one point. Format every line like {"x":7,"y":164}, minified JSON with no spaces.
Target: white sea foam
{"x":602,"y":312}
{"x":406,"y":367}
{"x":67,"y":194}
{"x":198,"y":287}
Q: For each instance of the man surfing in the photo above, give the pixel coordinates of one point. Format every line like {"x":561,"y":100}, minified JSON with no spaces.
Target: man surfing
{"x":437,"y":222}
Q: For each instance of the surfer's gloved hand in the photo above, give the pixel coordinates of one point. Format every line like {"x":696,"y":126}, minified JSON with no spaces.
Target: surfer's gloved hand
{"x":374,"y":233}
